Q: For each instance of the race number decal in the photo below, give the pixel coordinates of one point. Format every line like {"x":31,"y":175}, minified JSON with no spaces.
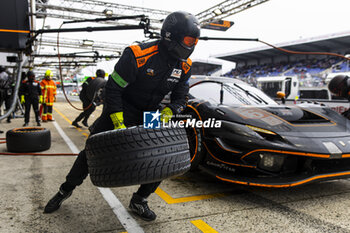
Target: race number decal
{"x":250,"y":113}
{"x":254,"y":113}
{"x":271,"y":120}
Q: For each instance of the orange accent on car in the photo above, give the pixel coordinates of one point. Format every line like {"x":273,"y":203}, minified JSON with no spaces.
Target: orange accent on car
{"x":285,"y":185}
{"x":195,"y":153}
{"x":200,"y":103}
{"x":234,"y":164}
{"x":233,"y":151}
{"x":326,"y":156}
{"x":195,"y":110}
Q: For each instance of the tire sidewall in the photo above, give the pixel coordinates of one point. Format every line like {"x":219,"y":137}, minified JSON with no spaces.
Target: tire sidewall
{"x":31,"y":139}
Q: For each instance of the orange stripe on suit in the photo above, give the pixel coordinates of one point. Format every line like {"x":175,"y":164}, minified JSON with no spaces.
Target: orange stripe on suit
{"x":48,"y":88}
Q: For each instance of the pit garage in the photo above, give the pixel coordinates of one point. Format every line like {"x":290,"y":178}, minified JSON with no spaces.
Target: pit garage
{"x":190,"y":202}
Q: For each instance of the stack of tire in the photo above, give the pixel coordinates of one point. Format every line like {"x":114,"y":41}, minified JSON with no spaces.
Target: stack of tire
{"x":137,"y":155}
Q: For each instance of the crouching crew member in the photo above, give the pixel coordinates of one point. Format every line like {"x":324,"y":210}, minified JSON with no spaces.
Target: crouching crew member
{"x":144,"y":74}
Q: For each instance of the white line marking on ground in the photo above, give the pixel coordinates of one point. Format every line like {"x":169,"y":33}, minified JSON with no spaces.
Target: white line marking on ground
{"x":69,"y":142}
{"x":122,"y":214}
{"x":128,"y":222}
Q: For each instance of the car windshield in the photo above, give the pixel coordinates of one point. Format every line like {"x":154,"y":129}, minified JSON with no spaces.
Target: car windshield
{"x":233,"y":94}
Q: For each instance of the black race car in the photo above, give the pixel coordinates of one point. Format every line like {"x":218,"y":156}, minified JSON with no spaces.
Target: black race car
{"x":260,"y":142}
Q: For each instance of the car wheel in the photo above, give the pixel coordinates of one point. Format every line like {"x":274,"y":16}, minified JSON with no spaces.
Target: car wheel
{"x":137,"y":156}
{"x":29,"y":139}
{"x":197,"y":149}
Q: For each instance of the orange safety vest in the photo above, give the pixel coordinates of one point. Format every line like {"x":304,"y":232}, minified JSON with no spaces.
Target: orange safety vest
{"x":48,"y":89}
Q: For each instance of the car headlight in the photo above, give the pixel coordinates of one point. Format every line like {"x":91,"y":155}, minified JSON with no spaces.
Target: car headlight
{"x":247,"y":130}
{"x":271,"y":162}
{"x":260,"y":130}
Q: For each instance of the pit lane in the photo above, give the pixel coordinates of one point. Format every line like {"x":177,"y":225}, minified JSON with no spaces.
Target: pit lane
{"x":194,"y":202}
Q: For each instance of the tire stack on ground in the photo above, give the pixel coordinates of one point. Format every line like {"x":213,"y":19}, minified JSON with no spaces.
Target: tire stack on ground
{"x":29,"y":139}
{"x":137,"y":155}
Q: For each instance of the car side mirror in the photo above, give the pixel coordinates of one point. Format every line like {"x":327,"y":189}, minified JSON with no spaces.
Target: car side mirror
{"x":281,"y":95}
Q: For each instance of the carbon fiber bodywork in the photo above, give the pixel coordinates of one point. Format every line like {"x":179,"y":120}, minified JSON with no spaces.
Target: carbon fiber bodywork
{"x":262,"y":143}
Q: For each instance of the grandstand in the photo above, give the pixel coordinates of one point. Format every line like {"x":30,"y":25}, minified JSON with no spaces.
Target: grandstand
{"x":206,"y":67}
{"x":312,"y":70}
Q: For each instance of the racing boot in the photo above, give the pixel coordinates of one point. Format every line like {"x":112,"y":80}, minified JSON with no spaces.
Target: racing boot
{"x":85,"y":123}
{"x":55,"y":202}
{"x":138,"y":205}
{"x":75,"y":123}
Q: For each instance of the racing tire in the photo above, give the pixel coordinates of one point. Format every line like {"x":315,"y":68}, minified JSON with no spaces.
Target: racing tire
{"x":94,"y":88}
{"x":28,"y":139}
{"x":136,"y":155}
{"x":197,"y":150}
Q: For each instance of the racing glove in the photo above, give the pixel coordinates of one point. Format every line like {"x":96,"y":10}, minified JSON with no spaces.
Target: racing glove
{"x":40,"y":99}
{"x":166,"y":115}
{"x":118,"y":120}
{"x":22,"y":99}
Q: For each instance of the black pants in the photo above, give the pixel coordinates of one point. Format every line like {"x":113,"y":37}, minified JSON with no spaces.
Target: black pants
{"x":27,"y":104}
{"x":87,"y":112}
{"x":6,"y":97}
{"x":79,"y":171}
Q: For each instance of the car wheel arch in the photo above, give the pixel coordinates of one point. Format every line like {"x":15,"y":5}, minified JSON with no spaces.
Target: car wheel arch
{"x":200,"y":149}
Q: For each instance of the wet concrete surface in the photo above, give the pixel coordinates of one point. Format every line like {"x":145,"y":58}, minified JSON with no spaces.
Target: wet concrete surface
{"x":194,"y":202}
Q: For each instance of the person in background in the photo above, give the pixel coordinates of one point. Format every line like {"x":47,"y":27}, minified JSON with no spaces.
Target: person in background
{"x":144,"y":74}
{"x":48,"y":89}
{"x":340,"y":87}
{"x":30,"y":93}
{"x":6,"y":90}
{"x":89,"y":105}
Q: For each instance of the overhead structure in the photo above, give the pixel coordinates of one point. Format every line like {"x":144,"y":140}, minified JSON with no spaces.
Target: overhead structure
{"x":84,"y":49}
{"x":225,"y":9}
{"x":71,"y":10}
{"x":85,"y":9}
{"x":83,"y":44}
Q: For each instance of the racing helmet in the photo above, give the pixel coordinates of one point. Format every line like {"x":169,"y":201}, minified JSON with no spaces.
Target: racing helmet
{"x":30,"y":75}
{"x":2,"y":69}
{"x":340,"y":86}
{"x":179,"y":34}
{"x":100,"y":73}
{"x":48,"y":74}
